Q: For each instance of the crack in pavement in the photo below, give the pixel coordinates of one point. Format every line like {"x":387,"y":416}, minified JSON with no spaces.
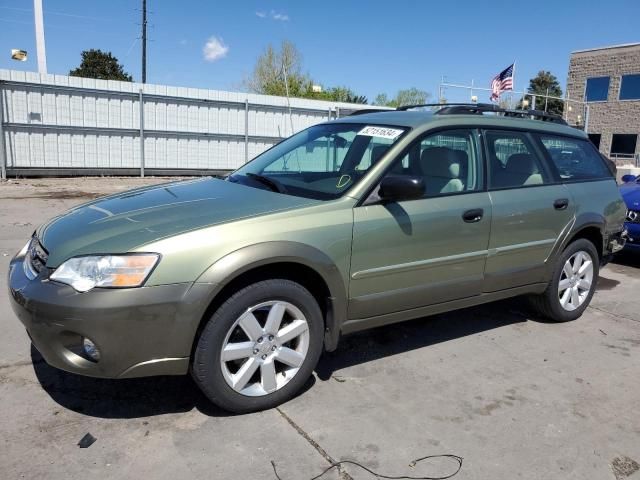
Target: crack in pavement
{"x":617,"y":315}
{"x":344,"y":475}
{"x":21,"y":363}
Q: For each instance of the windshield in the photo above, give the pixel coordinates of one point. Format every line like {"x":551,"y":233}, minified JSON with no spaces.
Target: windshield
{"x":321,"y":162}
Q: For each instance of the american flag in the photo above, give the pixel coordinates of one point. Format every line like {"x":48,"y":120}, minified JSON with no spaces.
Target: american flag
{"x":502,"y":82}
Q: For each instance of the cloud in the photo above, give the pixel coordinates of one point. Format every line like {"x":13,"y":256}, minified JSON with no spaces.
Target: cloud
{"x":279,"y":16}
{"x":283,"y":17}
{"x":214,"y":49}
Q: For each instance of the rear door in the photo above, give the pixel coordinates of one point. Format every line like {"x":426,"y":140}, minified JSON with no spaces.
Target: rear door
{"x":531,"y":210}
{"x":414,"y":253}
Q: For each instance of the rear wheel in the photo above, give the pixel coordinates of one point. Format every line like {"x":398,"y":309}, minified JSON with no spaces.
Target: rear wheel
{"x":260,"y":347}
{"x":573,"y":283}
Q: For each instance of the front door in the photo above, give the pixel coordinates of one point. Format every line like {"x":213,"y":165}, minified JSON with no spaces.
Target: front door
{"x":414,"y":253}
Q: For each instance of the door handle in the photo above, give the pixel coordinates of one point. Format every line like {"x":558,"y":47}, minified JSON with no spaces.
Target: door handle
{"x":474,"y":215}
{"x":561,"y":204}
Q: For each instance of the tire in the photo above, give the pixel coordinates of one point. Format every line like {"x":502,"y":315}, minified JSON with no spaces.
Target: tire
{"x":246,"y":359}
{"x":550,"y":303}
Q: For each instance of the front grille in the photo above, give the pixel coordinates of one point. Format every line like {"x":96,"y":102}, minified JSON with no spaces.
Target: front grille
{"x":35,"y":259}
{"x":633,"y":216}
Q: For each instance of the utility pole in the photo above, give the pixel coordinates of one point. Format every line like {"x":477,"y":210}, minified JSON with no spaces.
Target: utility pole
{"x":39,"y":27}
{"x":144,"y":41}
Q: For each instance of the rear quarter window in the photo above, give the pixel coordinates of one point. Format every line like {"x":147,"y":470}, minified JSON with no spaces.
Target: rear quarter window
{"x":575,"y":159}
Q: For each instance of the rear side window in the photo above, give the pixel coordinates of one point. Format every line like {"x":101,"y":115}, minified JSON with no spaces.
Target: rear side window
{"x":513,"y":161}
{"x":575,"y":159}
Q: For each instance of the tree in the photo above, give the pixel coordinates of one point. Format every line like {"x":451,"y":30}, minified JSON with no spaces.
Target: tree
{"x":381,"y":99}
{"x":103,"y":65}
{"x":542,"y":83}
{"x":410,"y":96}
{"x":338,"y":94}
{"x":268,"y":77}
{"x":273,"y":66}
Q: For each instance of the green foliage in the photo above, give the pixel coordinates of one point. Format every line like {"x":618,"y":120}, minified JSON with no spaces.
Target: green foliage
{"x":268,"y":77}
{"x":103,"y":65}
{"x":539,"y":84}
{"x":410,"y":96}
{"x":338,"y":94}
{"x":272,"y":66}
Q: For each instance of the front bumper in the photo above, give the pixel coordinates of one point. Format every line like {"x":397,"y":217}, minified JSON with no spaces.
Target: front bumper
{"x":139,"y":331}
{"x":633,"y":236}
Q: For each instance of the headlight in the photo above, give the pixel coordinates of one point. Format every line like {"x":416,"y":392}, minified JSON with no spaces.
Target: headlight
{"x":85,"y":273}
{"x":24,"y":250}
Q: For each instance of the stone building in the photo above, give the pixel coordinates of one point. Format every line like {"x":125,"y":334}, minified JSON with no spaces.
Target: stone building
{"x":608,"y":79}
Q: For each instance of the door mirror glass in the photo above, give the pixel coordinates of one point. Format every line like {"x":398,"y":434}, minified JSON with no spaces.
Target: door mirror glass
{"x":401,"y":187}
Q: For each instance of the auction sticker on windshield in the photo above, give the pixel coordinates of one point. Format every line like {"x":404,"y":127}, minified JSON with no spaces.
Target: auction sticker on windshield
{"x":382,"y":132}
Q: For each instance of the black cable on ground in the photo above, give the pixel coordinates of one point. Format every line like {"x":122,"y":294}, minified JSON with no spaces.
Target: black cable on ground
{"x":387,"y":477}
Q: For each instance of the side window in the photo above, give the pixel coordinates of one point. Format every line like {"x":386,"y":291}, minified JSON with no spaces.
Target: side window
{"x":513,"y":162}
{"x":447,"y":161}
{"x":575,"y":159}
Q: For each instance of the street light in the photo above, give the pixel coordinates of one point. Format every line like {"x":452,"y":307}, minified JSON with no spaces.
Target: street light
{"x":19,"y":55}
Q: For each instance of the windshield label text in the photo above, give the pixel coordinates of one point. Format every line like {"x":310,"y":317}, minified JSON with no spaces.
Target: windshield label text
{"x":382,"y":132}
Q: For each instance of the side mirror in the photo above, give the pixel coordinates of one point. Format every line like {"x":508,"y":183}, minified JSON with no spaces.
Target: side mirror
{"x":401,"y":187}
{"x":628,"y":178}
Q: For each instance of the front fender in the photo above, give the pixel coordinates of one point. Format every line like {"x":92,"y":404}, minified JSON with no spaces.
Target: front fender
{"x":250,"y":257}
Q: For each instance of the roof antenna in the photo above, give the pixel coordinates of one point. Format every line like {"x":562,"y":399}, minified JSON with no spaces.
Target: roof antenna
{"x":286,"y":89}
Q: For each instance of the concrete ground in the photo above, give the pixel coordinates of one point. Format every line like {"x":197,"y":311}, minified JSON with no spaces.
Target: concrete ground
{"x":514,"y":396}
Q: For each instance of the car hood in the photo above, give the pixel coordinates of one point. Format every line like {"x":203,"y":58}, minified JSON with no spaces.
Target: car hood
{"x":631,"y":194}
{"x":122,"y":222}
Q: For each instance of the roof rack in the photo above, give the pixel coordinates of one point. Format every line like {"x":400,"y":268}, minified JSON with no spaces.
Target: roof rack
{"x":474,"y":109}
{"x":442,"y":105}
{"x":370,"y":110}
{"x":536,"y":115}
{"x":480,"y":108}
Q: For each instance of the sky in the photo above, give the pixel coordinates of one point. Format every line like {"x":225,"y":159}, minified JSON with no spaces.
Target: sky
{"x":369,"y":46}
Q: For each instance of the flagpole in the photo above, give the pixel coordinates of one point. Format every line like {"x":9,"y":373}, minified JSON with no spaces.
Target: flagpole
{"x":513,"y":82}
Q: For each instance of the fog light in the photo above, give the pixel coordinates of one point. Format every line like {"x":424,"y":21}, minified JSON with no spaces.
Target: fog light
{"x":90,"y":349}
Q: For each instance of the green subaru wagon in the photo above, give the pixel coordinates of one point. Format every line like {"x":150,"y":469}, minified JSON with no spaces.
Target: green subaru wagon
{"x":350,"y":224}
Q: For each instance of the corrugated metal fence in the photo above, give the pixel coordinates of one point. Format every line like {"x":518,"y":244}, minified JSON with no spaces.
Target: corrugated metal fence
{"x":54,"y":124}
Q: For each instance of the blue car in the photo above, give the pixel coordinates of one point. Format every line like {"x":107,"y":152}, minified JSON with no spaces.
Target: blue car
{"x":630,"y":191}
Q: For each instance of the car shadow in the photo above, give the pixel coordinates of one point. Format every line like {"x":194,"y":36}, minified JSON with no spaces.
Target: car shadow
{"x":627,"y":259}
{"x":145,"y":397}
{"x":125,"y":398}
{"x":403,"y":337}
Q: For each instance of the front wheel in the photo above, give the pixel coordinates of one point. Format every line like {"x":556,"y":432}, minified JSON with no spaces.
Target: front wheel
{"x":573,"y":283}
{"x":260,"y":347}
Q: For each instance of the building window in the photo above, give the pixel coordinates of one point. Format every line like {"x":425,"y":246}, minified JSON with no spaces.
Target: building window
{"x":623,"y":143}
{"x":630,"y":87}
{"x":597,"y":89}
{"x":595,"y":139}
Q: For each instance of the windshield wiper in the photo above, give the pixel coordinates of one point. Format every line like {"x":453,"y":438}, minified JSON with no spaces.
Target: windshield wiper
{"x":272,"y":184}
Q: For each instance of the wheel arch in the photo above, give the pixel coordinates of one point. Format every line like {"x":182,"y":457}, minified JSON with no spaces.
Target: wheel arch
{"x":594,"y":234}
{"x":294,"y":261}
{"x":590,"y":226}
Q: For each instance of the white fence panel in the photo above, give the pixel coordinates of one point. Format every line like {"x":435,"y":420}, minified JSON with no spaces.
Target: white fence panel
{"x":84,"y":125}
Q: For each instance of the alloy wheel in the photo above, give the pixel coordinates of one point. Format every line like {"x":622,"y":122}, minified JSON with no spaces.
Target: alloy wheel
{"x":576,"y":280}
{"x":265,"y":348}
